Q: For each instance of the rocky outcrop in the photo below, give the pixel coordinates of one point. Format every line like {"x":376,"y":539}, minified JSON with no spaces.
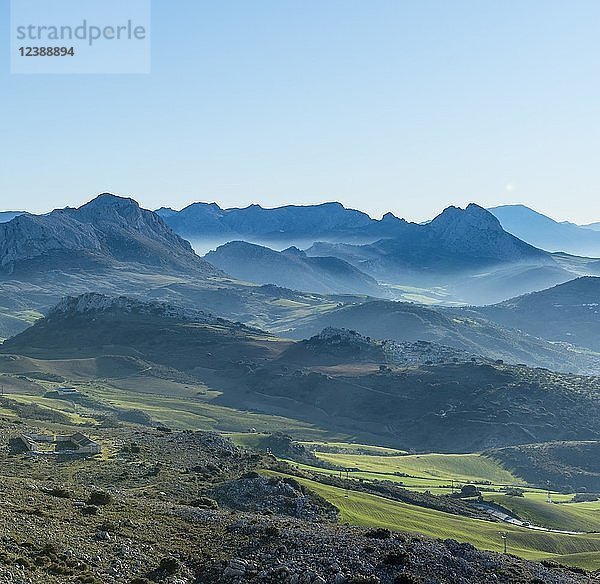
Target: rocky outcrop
{"x":91,"y":303}
{"x":273,"y":495}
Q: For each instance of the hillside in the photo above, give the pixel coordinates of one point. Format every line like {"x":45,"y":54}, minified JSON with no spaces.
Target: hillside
{"x":93,"y":324}
{"x":546,"y":233}
{"x":568,"y":312}
{"x":292,"y":268}
{"x":139,"y":514}
{"x":451,"y":407}
{"x":563,"y":465}
{"x":432,"y":400}
{"x":461,"y":329}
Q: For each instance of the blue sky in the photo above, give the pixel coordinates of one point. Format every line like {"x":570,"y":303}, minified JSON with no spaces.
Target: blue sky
{"x":382,"y":105}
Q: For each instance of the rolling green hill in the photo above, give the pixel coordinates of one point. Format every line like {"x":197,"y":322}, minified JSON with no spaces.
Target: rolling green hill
{"x":458,"y":467}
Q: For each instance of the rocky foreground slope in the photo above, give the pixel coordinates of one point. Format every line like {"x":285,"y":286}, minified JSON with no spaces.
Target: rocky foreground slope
{"x":140,"y":513}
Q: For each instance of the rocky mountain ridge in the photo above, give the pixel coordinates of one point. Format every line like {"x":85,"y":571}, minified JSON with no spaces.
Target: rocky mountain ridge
{"x":105,"y":231}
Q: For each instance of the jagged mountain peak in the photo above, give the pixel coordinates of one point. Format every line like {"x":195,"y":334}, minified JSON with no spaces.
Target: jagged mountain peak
{"x":474,"y":231}
{"x":390,"y":217}
{"x":294,"y":252}
{"x":109,"y":207}
{"x":105,"y":230}
{"x":111,"y":199}
{"x":471,"y":216}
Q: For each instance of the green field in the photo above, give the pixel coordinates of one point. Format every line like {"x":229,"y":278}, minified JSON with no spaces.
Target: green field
{"x":424,"y":469}
{"x":370,"y":510}
{"x":347,"y":448}
{"x":179,"y":405}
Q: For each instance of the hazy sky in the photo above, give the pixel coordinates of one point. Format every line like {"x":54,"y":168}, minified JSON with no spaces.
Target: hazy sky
{"x":383,"y":105}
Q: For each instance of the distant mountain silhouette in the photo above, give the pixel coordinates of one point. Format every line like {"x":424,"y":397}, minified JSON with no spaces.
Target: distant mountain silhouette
{"x":461,"y":238}
{"x":545,"y":233}
{"x":465,"y":251}
{"x":206,"y":220}
{"x":292,"y":268}
{"x":462,"y":250}
{"x":472,"y":233}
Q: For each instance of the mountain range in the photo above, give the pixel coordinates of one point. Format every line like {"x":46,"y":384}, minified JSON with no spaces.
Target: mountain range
{"x":546,"y":233}
{"x":465,"y":252}
{"x":208,"y":220}
{"x":455,"y":240}
{"x":113,"y":246}
{"x":332,"y":222}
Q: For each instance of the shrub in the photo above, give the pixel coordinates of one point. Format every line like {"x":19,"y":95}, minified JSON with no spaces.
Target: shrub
{"x":169,"y":566}
{"x":90,"y":510}
{"x":515,"y":492}
{"x":204,"y":503}
{"x":396,"y":558}
{"x":469,"y":491}
{"x":379,"y":533}
{"x":585,"y":498}
{"x":100,"y":498}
